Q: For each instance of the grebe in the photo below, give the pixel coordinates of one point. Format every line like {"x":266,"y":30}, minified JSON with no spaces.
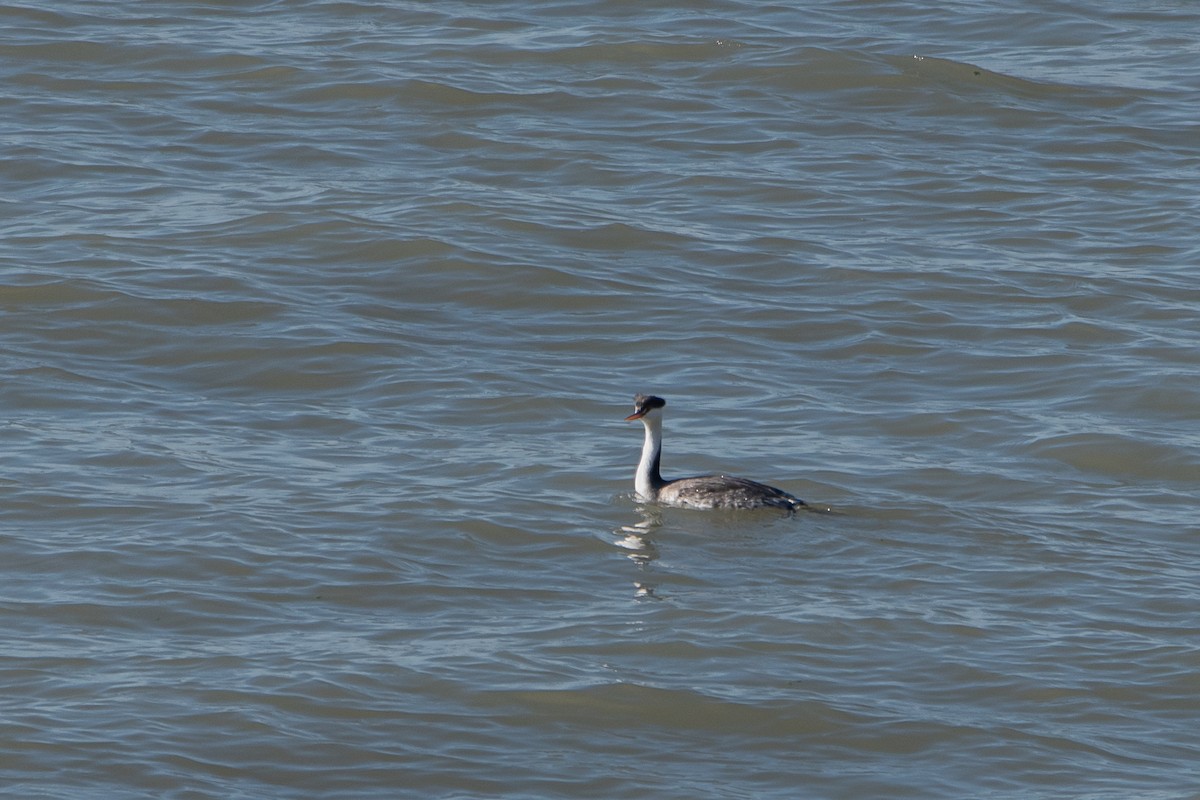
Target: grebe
{"x":707,"y":491}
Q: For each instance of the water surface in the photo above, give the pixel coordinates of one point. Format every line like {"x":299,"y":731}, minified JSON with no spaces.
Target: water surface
{"x":320,"y":321}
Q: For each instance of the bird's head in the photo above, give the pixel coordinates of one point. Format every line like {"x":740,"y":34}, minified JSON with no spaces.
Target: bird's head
{"x":644,"y":404}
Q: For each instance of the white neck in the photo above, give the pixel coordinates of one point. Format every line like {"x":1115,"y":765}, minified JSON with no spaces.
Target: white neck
{"x":648,"y":479}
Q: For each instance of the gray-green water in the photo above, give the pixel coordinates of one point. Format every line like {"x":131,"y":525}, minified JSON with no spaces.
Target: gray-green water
{"x":319,"y":319}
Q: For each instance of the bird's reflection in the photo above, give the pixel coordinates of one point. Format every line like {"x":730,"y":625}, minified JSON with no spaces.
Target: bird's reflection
{"x":636,"y":540}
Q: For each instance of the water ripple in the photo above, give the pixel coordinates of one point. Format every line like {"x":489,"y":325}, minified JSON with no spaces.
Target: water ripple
{"x":322,"y":318}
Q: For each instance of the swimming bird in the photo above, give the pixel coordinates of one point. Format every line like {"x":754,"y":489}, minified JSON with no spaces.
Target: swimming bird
{"x":706,"y":491}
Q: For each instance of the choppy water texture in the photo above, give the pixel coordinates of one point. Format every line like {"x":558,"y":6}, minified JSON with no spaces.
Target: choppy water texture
{"x":320,"y":320}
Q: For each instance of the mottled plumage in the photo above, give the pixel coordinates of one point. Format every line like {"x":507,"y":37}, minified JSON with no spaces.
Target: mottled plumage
{"x":723,"y":491}
{"x":706,"y":491}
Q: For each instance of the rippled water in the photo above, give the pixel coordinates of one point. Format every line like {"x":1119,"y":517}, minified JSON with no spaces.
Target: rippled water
{"x":320,"y":320}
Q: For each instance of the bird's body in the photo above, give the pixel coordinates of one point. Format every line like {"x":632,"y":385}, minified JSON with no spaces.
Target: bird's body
{"x":706,"y":491}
